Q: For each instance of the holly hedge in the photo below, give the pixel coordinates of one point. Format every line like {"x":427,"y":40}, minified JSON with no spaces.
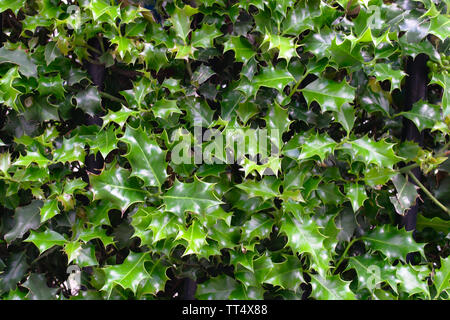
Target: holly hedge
{"x":135,"y":139}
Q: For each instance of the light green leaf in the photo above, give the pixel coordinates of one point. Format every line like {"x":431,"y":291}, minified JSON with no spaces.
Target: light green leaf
{"x":147,"y":159}
{"x":330,"y":95}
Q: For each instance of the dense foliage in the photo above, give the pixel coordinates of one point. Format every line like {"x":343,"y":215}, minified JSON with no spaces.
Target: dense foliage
{"x":97,"y":96}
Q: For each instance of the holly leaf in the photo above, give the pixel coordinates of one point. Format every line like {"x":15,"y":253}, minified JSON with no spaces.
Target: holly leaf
{"x":372,"y":271}
{"x":286,"y":46}
{"x":330,"y":288}
{"x":259,"y":226}
{"x":243,"y":50}
{"x":49,"y":210}
{"x":204,"y":37}
{"x":412,"y":281}
{"x":195,"y":237}
{"x":376,"y":152}
{"x":38,"y":289}
{"x":105,"y":141}
{"x":164,"y":108}
{"x":442,"y":277}
{"x":286,"y":274}
{"x":356,"y":193}
{"x":393,"y":243}
{"x":25,"y":218}
{"x":14,"y":5}
{"x":156,"y":281}
{"x":329,"y":94}
{"x":218,"y":288}
{"x":384,"y":71}
{"x":317,"y":145}
{"x":164,"y":225}
{"x":270,"y":77}
{"x":16,"y":267}
{"x":27,"y":66}
{"x":128,"y":274}
{"x":181,"y":22}
{"x":304,"y":237}
{"x":424,"y":115}
{"x":46,"y":239}
{"x":146,"y":158}
{"x":196,"y":197}
{"x":406,"y":194}
{"x":115,"y":185}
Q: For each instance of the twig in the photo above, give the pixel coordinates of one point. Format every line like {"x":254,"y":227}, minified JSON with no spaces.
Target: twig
{"x":344,"y":255}
{"x":112,"y":98}
{"x":428,"y":193}
{"x":297,"y":85}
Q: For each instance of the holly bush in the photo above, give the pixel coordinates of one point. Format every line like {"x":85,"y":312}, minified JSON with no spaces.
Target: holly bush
{"x":105,"y":168}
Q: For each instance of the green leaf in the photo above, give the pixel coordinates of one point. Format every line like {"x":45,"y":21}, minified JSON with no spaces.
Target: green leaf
{"x":243,"y":50}
{"x":266,"y":188}
{"x":145,"y":156}
{"x":304,"y":237}
{"x":346,"y":116}
{"x":442,"y":277}
{"x":393,"y":243}
{"x":406,"y":194}
{"x":27,"y":67}
{"x":435,"y":223}
{"x":286,"y":46}
{"x":286,"y":274}
{"x":204,"y":37}
{"x":51,"y":85}
{"x":424,"y":115}
{"x":25,"y":218}
{"x":164,"y":108}
{"x":116,"y":186}
{"x":154,"y":56}
{"x":195,"y":237}
{"x":378,"y":176}
{"x":32,"y":157}
{"x":104,"y":142}
{"x":8,"y":94}
{"x":301,"y":17}
{"x":440,"y":26}
{"x":330,"y":95}
{"x":38,"y":289}
{"x":129,"y":274}
{"x":412,"y":281}
{"x":181,"y":22}
{"x":356,"y":193}
{"x":156,"y":281}
{"x":317,"y":145}
{"x":196,"y":197}
{"x":71,"y":150}
{"x":373,"y":271}
{"x":259,"y":226}
{"x":384,"y":71}
{"x":15,"y":270}
{"x":89,"y":100}
{"x":272,"y":78}
{"x":164,"y":225}
{"x":376,"y":152}
{"x":51,"y":52}
{"x":46,"y":239}
{"x":49,"y":210}
{"x":330,"y":288}
{"x":14,"y":5}
{"x":218,"y":288}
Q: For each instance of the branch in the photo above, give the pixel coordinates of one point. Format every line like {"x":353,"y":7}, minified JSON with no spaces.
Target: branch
{"x":428,"y":193}
{"x":112,"y":98}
